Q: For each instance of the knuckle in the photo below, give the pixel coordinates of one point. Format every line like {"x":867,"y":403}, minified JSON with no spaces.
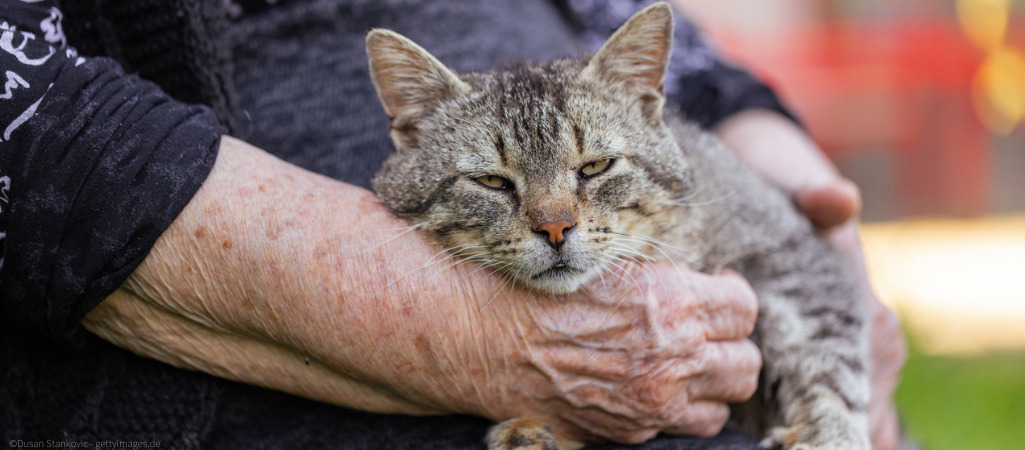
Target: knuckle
{"x":666,"y":415}
{"x":652,"y":391}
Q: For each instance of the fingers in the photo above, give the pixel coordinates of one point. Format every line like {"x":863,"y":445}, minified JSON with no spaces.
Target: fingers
{"x":731,"y":377}
{"x":889,"y":352}
{"x":885,"y":427}
{"x":731,"y":374}
{"x":723,"y":305}
{"x":784,"y":153}
{"x":728,"y":306}
{"x":670,"y":353}
{"x":701,"y":419}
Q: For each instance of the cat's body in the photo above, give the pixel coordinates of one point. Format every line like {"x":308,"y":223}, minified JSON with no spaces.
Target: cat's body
{"x":552,"y":172}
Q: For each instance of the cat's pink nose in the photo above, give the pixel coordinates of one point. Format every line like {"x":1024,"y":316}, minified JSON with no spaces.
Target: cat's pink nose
{"x":554,"y":231}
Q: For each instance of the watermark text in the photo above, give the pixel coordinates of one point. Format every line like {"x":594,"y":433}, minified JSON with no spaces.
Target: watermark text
{"x":71,"y":443}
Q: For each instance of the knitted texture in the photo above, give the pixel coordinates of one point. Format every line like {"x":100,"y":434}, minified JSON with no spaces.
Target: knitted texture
{"x":303,"y":93}
{"x":98,"y":393}
{"x":177,"y":44}
{"x":301,"y":69}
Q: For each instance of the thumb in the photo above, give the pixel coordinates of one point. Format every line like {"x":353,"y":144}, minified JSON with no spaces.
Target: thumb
{"x":785,"y":155}
{"x":830,"y":204}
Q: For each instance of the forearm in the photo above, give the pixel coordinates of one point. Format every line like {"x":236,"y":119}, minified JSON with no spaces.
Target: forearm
{"x":281,"y":278}
{"x":759,"y":136}
{"x":254,"y":250}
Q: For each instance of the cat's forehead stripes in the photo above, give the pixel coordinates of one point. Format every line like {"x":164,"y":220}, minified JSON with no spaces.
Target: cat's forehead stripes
{"x":578,"y":135}
{"x":500,"y":147}
{"x":522,"y":84}
{"x":530,"y":104}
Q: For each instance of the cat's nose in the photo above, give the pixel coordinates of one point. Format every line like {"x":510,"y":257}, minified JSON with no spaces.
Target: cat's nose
{"x":555,"y":231}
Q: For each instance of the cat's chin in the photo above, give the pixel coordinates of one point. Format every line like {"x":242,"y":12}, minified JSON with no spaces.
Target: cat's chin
{"x":557,"y":282}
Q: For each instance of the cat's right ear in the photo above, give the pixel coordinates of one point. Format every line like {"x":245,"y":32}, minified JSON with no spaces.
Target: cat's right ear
{"x":408,"y":80}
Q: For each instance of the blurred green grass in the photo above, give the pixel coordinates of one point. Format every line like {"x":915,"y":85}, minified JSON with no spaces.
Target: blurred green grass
{"x":975,"y":402}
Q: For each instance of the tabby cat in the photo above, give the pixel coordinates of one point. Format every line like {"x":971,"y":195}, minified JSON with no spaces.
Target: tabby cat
{"x":551,"y":168}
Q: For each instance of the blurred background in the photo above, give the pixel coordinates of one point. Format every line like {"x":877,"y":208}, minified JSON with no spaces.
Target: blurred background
{"x":922,"y":103}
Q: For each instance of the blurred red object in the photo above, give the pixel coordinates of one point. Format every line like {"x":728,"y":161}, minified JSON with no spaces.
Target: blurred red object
{"x":900,"y":87}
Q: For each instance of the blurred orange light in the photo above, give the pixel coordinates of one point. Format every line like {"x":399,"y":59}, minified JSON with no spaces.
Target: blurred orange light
{"x":984,"y":21}
{"x":998,"y":89}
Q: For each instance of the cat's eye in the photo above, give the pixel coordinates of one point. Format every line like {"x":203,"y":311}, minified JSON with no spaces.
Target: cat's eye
{"x":594,"y":168}
{"x":492,"y":181}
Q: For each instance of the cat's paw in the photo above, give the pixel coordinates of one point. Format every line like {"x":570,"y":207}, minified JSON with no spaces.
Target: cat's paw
{"x":522,"y":433}
{"x":800,"y":437}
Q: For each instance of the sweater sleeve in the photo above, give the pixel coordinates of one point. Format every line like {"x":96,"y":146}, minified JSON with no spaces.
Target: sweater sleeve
{"x":705,"y":87}
{"x":94,"y":165}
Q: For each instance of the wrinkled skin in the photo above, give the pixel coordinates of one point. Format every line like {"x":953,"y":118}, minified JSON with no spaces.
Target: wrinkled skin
{"x":249,"y":284}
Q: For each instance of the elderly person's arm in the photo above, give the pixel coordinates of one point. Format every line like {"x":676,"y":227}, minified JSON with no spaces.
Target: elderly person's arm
{"x":282,"y":278}
{"x":128,"y":208}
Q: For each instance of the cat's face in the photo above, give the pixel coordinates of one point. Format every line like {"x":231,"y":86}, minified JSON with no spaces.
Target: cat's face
{"x":549,"y":173}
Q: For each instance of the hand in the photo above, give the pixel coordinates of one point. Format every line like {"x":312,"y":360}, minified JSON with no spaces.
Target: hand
{"x":655,"y":349}
{"x":786,"y":156}
{"x":281,"y":278}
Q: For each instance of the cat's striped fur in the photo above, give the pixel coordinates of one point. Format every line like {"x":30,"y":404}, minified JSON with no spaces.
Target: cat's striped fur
{"x":669,"y":190}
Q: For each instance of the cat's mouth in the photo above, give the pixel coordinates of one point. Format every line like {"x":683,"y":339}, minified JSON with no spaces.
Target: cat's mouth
{"x":559,"y":269}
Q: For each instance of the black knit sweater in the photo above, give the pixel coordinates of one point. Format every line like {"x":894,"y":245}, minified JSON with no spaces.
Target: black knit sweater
{"x":95,"y":164}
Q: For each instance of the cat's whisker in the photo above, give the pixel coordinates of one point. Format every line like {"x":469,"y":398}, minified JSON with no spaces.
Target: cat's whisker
{"x":692,"y":194}
{"x":496,"y":265}
{"x":613,"y":265}
{"x":602,"y":278}
{"x":478,"y":257}
{"x":653,"y":241}
{"x":493,"y":297}
{"x":623,"y":248}
{"x":619,"y":303}
{"x":661,"y":247}
{"x":633,"y":252}
{"x":699,"y":204}
{"x":666,"y":255}
{"x":434,"y":259}
{"x":455,"y":251}
{"x":623,"y":268}
{"x":405,"y":230}
{"x":683,"y":202}
{"x":628,"y":262}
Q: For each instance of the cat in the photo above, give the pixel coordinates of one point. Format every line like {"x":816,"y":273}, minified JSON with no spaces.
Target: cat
{"x":553,"y":169}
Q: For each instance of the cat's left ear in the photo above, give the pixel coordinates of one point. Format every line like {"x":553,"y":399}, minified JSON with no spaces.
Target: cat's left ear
{"x":637,"y":56}
{"x":408,"y":80}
